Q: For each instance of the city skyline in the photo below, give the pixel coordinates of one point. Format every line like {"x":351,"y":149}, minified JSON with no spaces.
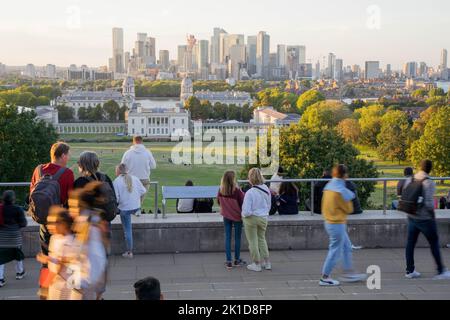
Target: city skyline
{"x":80,"y":32}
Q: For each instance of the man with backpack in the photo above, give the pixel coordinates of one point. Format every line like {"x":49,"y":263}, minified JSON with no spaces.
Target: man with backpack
{"x":50,"y":185}
{"x":418,"y":202}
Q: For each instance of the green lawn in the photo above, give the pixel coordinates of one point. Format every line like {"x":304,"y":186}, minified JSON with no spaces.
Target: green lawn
{"x":168,"y":174}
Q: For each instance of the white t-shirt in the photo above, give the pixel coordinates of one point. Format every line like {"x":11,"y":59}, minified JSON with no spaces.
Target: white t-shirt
{"x":128,"y":200}
{"x":185,"y":205}
{"x":275,"y":186}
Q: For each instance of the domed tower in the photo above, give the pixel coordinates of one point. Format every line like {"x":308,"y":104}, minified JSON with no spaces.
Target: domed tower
{"x":128,"y":89}
{"x":187,"y":89}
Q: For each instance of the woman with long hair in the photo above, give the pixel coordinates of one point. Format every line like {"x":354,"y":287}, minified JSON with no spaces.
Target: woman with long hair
{"x":129,"y":190}
{"x":230,"y":199}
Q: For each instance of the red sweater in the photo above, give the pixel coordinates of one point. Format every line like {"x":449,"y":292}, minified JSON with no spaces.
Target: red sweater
{"x":65,"y":181}
{"x":231,"y":206}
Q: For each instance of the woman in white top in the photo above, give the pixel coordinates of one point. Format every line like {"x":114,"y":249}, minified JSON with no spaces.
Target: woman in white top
{"x":255,"y":210}
{"x":129,"y":190}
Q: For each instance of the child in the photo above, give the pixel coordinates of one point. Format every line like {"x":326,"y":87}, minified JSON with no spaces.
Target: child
{"x":61,"y":253}
{"x":10,"y":235}
{"x":287,"y":200}
{"x":230,"y":199}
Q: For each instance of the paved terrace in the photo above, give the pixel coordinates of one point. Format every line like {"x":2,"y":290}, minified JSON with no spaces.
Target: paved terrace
{"x":202,"y":276}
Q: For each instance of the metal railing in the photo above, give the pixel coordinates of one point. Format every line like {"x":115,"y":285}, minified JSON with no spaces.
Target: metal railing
{"x":376,"y":180}
{"x":155,"y":184}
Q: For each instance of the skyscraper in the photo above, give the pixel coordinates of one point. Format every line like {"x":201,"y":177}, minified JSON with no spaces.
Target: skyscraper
{"x":203,"y":58}
{"x":236,"y":61}
{"x":50,"y":71}
{"x":338,"y":70}
{"x":410,"y":70}
{"x":388,"y":70}
{"x":444,"y":60}
{"x":251,"y":54}
{"x":30,"y":71}
{"x":181,"y":57}
{"x":262,"y":54}
{"x":331,"y":65}
{"x":164,"y":59}
{"x":372,"y":70}
{"x":145,"y":50}
{"x":317,"y":70}
{"x":226,"y":42}
{"x":215,"y":45}
{"x":2,"y":68}
{"x":118,"y":53}
{"x":281,"y":56}
{"x":295,"y":56}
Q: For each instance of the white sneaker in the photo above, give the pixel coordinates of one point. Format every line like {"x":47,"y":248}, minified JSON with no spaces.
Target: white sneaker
{"x":353,"y":277}
{"x":328,"y":282}
{"x":443,"y":276}
{"x":138,"y":213}
{"x":267,"y":266}
{"x":127,"y":255}
{"x":254,"y":267}
{"x":448,"y":246}
{"x":413,"y":275}
{"x":357,"y":247}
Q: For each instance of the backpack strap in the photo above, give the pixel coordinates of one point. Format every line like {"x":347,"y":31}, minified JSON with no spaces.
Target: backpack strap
{"x":40,"y":171}
{"x":59,"y":173}
{"x":261,"y":189}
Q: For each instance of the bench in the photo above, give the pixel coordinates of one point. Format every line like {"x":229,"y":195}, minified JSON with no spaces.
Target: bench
{"x":173,"y":193}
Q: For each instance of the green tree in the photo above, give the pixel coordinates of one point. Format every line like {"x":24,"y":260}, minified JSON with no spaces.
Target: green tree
{"x":393,"y":137}
{"x":309,"y":98}
{"x":65,"y":113}
{"x":306,"y":152}
{"x":83,"y":114}
{"x":370,"y":123}
{"x":419,"y":93}
{"x":123,"y":110}
{"x":436,"y":92}
{"x":434,"y":144}
{"x":437,"y":101}
{"x":24,"y":143}
{"x":112,"y":110}
{"x":96,"y":114}
{"x":325,"y":114}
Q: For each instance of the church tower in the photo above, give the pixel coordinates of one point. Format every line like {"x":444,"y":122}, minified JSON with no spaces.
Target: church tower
{"x":187,"y":89}
{"x":128,"y":89}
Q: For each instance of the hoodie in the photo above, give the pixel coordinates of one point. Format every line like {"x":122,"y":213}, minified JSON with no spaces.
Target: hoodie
{"x":139,"y":161}
{"x":337,"y":202}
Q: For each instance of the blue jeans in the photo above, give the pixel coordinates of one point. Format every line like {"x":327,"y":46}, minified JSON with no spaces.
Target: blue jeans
{"x":429,"y":230}
{"x":340,"y":247}
{"x":237,"y":238}
{"x":125,"y":218}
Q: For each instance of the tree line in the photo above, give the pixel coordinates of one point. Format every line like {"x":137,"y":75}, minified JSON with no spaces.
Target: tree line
{"x":109,"y":111}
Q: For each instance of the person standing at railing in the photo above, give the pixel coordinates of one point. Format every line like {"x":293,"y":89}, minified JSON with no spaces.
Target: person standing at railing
{"x":423,"y":221}
{"x":13,"y":219}
{"x":255,"y":210}
{"x":407,"y":173}
{"x":129,"y":190}
{"x":44,"y":192}
{"x":140,"y":161}
{"x":230,"y":199}
{"x":336,"y":206}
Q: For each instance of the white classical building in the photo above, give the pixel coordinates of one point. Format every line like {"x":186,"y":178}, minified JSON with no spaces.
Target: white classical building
{"x":161,"y":123}
{"x":238,"y":98}
{"x":79,"y":98}
{"x":268,"y":115}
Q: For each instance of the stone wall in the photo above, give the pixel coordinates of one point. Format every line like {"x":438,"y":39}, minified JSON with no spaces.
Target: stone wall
{"x":204,"y":233}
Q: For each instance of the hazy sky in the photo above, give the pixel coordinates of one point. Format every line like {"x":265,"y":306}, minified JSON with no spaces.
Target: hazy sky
{"x":79,"y":31}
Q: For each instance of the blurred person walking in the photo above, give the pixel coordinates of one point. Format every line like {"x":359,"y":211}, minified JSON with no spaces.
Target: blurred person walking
{"x":336,"y":206}
{"x":140,"y":161}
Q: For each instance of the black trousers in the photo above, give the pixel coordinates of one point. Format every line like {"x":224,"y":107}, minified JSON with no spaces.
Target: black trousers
{"x":44,"y":239}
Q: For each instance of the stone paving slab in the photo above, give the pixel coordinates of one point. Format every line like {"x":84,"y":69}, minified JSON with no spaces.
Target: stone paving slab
{"x":294,"y":277}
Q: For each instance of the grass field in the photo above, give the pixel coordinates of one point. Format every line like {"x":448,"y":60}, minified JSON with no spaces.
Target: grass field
{"x":168,"y":174}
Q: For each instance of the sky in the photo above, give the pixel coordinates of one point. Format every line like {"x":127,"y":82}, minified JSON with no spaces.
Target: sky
{"x":79,"y":32}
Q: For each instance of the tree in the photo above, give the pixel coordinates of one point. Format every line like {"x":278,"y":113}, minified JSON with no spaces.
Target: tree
{"x":24,"y":143}
{"x":325,"y":114}
{"x":112,"y":110}
{"x":350,"y":130}
{"x":96,"y":114}
{"x":437,"y":101}
{"x":419,"y":93}
{"x":436,"y":92}
{"x":370,"y":123}
{"x":65,"y":113}
{"x":393,"y":137}
{"x":83,"y":114}
{"x":306,"y":152}
{"x":123,"y":110}
{"x":434,"y":144}
{"x":309,"y":98}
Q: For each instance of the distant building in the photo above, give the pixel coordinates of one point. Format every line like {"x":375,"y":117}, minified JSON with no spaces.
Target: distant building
{"x":410,"y":70}
{"x":50,"y":71}
{"x":251,"y":54}
{"x":118,"y":65}
{"x":444,"y":59}
{"x":85,"y":74}
{"x":372,"y":70}
{"x":268,"y":115}
{"x":262,"y":54}
{"x":2,"y":69}
{"x":170,"y":123}
{"x":48,"y":114}
{"x":30,"y":71}
{"x":225,"y":97}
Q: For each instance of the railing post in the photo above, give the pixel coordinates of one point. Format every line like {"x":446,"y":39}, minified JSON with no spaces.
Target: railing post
{"x":156,"y":200}
{"x":311,"y":198}
{"x":384,"y":197}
